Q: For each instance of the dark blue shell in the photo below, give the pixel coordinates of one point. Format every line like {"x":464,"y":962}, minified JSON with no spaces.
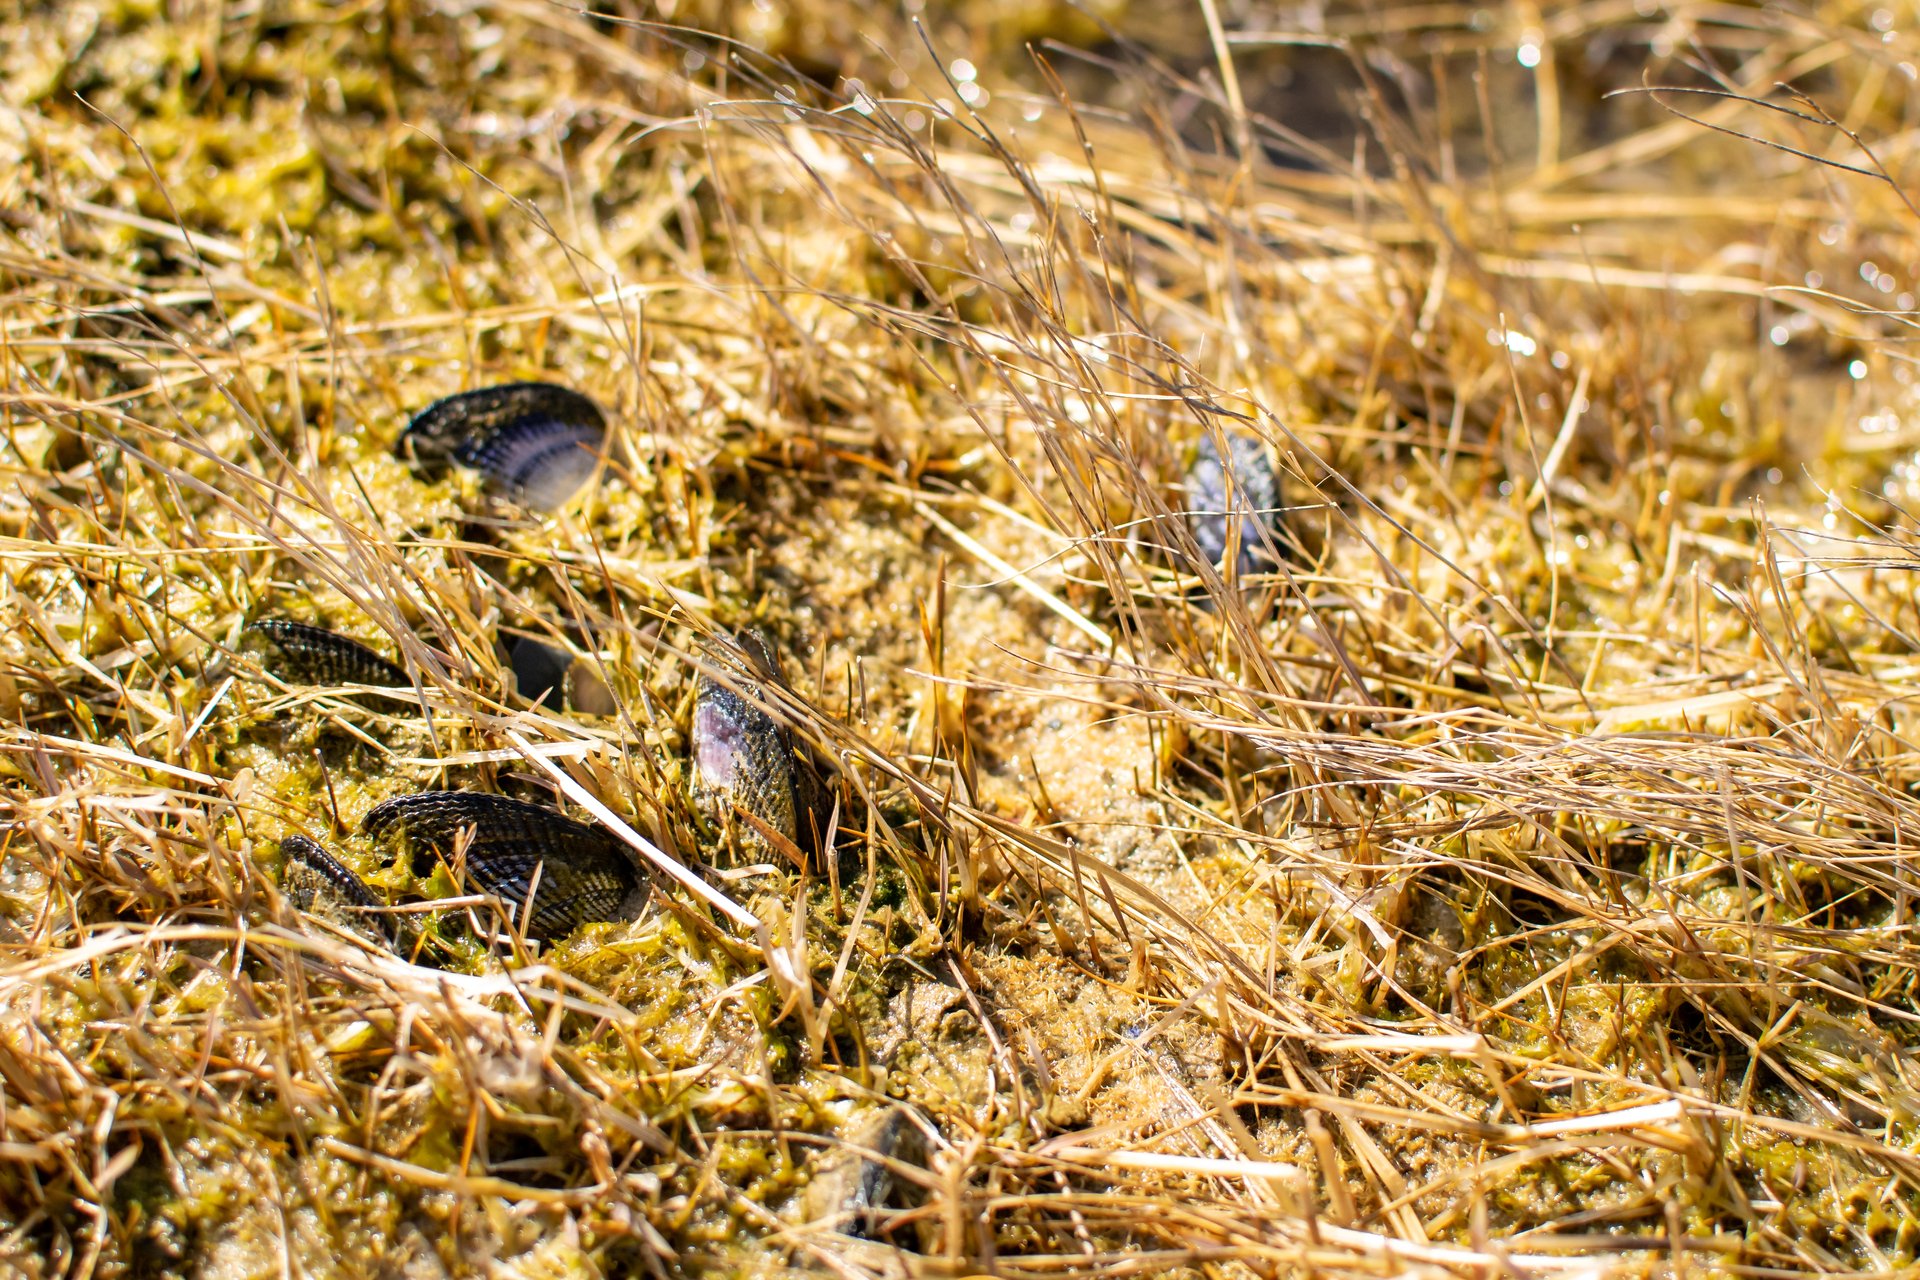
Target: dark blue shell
{"x":585,"y":873}
{"x":743,"y":757}
{"x":1243,"y":485}
{"x":552,"y":677}
{"x":303,"y":654}
{"x":539,"y":671}
{"x":313,"y":878}
{"x":532,"y":441}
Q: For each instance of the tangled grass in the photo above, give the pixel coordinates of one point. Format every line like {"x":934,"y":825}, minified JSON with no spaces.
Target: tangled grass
{"x":1514,"y":879}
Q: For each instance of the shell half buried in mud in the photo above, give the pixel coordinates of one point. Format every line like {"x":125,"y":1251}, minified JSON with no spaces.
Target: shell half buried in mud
{"x":551,"y":677}
{"x":1233,"y":504}
{"x":849,"y":1185}
{"x":319,"y":883}
{"x":743,"y":759}
{"x":302,"y":654}
{"x":584,"y":873}
{"x":534,"y":442}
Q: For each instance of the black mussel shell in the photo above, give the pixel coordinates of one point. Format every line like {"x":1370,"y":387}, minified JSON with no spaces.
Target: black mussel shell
{"x":539,"y":671}
{"x":303,"y":654}
{"x":552,"y":677}
{"x":743,"y":757}
{"x":317,"y":881}
{"x":585,"y":873}
{"x":851,"y":1184}
{"x":1238,"y":497}
{"x":532,"y":441}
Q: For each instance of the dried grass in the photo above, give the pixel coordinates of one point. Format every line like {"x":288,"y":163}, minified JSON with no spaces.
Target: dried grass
{"x":1519,"y":883}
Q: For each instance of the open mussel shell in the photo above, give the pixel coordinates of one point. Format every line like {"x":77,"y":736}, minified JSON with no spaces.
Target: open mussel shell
{"x":302,"y":654}
{"x":552,"y":677}
{"x":584,"y":872}
{"x":315,"y":881}
{"x":533,"y":442}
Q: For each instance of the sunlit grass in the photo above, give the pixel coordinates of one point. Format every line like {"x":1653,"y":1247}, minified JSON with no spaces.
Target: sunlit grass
{"x":1515,"y":878}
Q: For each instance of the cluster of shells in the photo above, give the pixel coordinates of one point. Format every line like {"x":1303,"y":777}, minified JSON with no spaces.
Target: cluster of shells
{"x":537,"y":445}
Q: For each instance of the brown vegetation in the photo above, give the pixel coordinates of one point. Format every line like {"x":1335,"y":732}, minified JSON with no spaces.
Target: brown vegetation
{"x":1514,"y":879}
